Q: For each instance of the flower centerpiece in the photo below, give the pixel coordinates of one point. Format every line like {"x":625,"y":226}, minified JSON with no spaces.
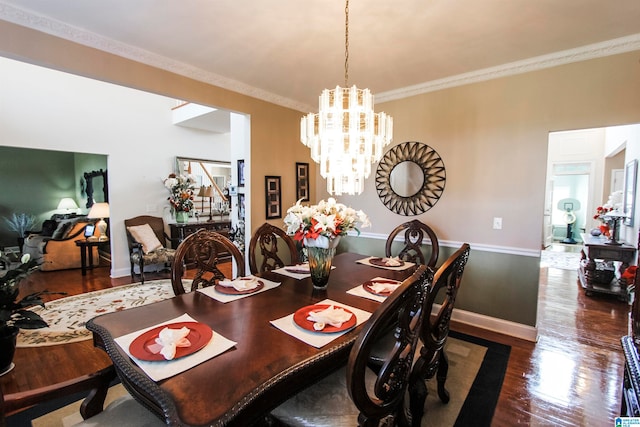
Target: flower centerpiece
{"x":319,"y":228}
{"x":181,"y":197}
{"x":601,"y":211}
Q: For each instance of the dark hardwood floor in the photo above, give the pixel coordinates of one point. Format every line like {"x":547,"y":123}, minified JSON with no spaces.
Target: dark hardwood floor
{"x":571,"y":376}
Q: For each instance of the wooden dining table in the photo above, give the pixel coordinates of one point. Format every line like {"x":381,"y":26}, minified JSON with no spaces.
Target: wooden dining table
{"x":266,"y":365}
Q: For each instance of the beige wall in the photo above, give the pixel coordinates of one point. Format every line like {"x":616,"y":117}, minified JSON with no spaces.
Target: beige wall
{"x":492,"y":137}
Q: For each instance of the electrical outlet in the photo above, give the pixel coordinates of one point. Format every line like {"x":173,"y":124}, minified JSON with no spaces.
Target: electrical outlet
{"x":497,"y":223}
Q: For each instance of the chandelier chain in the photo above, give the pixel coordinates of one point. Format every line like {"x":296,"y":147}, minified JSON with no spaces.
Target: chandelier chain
{"x":346,"y":43}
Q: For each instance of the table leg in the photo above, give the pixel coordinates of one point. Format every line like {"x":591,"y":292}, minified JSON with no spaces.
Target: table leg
{"x":90,"y":252}
{"x":83,"y":259}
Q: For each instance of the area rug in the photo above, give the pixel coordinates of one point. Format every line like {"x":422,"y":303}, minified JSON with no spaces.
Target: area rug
{"x":561,"y":260}
{"x":476,"y":371}
{"x":67,"y":316}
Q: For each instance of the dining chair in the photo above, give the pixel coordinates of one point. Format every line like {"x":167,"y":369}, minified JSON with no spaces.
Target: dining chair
{"x":203,"y":252}
{"x":435,"y":330}
{"x":121,"y":412}
{"x":266,"y":239}
{"x":147,"y":241}
{"x":415,"y":233}
{"x":354,"y":395}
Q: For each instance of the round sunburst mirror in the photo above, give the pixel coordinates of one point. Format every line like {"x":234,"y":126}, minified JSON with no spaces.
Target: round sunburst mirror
{"x":410,"y":178}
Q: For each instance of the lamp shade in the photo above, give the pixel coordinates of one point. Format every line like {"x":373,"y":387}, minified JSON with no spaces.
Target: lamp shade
{"x":67,"y":203}
{"x":205,"y":191}
{"x":99,"y":210}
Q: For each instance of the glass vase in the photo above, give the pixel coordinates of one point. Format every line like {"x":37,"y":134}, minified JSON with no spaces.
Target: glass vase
{"x":320,"y":265}
{"x":320,"y":253}
{"x":182,"y":217}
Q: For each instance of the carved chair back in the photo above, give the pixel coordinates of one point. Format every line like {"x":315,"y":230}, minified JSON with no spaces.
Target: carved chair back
{"x":266,"y":239}
{"x":433,"y":359}
{"x":415,"y":233}
{"x":406,"y":309}
{"x":206,"y":249}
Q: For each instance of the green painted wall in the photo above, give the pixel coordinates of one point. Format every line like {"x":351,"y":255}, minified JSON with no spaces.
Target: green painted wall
{"x":40,"y":179}
{"x":504,"y":286}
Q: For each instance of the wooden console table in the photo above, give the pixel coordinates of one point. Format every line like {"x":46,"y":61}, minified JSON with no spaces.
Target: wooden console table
{"x":594,"y":249}
{"x":180,"y":231}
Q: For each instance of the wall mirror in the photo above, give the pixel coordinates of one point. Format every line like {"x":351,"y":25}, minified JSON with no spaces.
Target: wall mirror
{"x":410,"y":178}
{"x":96,"y":180}
{"x":215,"y":174}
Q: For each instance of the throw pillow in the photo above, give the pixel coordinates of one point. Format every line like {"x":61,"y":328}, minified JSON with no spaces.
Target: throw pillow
{"x":61,"y":230}
{"x":48,"y":227}
{"x":144,"y":235}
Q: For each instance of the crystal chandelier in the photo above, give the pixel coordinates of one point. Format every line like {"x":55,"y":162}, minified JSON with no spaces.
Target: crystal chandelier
{"x":346,"y":136}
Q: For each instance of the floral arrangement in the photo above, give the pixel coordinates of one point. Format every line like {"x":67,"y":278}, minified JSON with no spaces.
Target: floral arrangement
{"x":181,"y":189}
{"x":324,"y":221}
{"x":600,"y":211}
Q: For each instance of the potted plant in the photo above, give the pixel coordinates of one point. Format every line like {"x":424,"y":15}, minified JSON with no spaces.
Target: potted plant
{"x":14,"y":313}
{"x":20,"y":223}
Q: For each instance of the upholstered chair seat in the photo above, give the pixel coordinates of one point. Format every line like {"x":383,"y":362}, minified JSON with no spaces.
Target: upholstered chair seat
{"x":124,"y":411}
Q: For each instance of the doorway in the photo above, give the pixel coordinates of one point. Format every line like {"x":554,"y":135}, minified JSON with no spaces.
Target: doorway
{"x":570,"y":196}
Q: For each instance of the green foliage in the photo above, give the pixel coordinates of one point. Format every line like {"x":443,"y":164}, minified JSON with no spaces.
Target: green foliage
{"x":12,"y":311}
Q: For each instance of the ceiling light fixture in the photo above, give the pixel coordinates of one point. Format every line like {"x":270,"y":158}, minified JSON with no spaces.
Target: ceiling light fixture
{"x":346,"y":136}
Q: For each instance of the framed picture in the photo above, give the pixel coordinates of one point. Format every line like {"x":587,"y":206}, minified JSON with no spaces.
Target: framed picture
{"x":272,"y":191}
{"x":629,"y":194}
{"x":302,"y":181}
{"x":240,"y":173}
{"x":241,"y":206}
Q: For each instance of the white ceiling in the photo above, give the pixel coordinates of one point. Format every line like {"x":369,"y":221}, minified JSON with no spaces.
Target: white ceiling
{"x":287,"y":51}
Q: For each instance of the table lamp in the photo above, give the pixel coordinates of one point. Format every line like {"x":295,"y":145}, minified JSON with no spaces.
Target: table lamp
{"x":614,"y":216}
{"x":100,"y":210}
{"x":206,"y":192}
{"x":68,"y":204}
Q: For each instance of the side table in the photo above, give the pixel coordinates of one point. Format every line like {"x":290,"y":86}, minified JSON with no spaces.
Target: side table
{"x":594,"y":249}
{"x":86,"y":253}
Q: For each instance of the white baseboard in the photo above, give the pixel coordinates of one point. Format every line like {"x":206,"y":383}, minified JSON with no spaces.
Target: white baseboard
{"x":493,"y":324}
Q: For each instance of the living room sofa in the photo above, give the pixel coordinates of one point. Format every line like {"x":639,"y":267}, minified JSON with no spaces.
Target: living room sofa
{"x":54,"y":247}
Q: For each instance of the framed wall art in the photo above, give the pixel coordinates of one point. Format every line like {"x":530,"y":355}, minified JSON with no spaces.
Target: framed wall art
{"x":629,"y":194}
{"x":240,"y":173}
{"x":241,"y":207}
{"x":302,"y":181}
{"x":273,"y":199}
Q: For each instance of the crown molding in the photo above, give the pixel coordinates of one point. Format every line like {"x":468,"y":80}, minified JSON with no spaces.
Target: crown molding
{"x":592,"y":51}
{"x":77,"y":35}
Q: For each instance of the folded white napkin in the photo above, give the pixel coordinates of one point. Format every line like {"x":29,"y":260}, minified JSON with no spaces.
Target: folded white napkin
{"x":169,"y":339}
{"x":298,"y":268}
{"x":330,"y":315}
{"x":380,"y":287}
{"x":241,"y":283}
{"x":392,"y":262}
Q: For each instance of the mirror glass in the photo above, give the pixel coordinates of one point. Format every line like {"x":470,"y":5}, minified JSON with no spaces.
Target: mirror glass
{"x":406,"y":178}
{"x":211,"y":175}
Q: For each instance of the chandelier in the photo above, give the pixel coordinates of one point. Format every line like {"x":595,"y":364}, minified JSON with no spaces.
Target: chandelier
{"x":346,"y":136}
